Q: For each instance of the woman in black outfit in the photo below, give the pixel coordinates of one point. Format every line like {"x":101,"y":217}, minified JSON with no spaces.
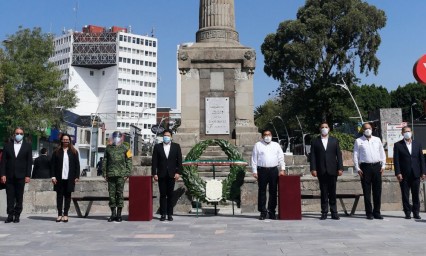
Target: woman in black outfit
{"x":65,"y":172}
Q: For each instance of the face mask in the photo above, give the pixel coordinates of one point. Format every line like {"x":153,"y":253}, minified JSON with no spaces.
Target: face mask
{"x":19,"y":137}
{"x":267,"y":139}
{"x":117,"y":140}
{"x":167,"y":139}
{"x":368,"y":132}
{"x":407,"y":135}
{"x":324,"y":131}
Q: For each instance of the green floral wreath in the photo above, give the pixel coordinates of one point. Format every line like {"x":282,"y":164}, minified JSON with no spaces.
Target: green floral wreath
{"x":230,"y":186}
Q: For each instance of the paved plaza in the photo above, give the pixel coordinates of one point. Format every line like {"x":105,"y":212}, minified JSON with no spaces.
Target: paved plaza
{"x":215,"y":235}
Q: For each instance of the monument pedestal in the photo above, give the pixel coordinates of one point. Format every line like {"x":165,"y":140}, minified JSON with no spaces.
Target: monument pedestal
{"x":289,"y":196}
{"x":140,"y":198}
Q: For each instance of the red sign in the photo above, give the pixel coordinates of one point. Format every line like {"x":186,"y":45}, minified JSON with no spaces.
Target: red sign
{"x":419,"y":70}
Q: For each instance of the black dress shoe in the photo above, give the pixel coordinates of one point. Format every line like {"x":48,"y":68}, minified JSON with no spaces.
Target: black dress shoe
{"x":272,"y":216}
{"x":335,"y":216}
{"x":262,"y":216}
{"x":370,"y":217}
{"x":407,"y":216}
{"x":417,"y":217}
{"x":9,"y":219}
{"x":323,"y":216}
{"x":163,"y":218}
{"x":170,"y":218}
{"x":16,"y":219}
{"x":378,"y":217}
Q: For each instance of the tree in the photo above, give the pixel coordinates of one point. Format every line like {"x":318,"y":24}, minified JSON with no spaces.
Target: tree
{"x":34,"y":93}
{"x":320,"y":48}
{"x":404,"y":96}
{"x":371,"y":97}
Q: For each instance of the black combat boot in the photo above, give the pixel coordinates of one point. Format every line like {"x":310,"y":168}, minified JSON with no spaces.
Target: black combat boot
{"x":113,"y":215}
{"x":118,"y":219}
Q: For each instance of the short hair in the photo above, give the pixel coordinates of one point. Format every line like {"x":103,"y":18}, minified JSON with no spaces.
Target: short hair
{"x":405,"y":127}
{"x":20,"y":128}
{"x":43,"y":151}
{"x":363,"y":125}
{"x":169,"y":131}
{"x":266,"y":130}
{"x":324,"y":122}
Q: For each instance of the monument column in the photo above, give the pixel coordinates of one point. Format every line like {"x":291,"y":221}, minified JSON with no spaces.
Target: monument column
{"x":217,"y":82}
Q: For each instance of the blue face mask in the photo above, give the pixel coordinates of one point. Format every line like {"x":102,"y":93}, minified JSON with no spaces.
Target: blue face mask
{"x":167,"y":139}
{"x":19,"y":137}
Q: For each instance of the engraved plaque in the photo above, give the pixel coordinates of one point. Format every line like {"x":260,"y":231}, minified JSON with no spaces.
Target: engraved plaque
{"x":217,"y":115}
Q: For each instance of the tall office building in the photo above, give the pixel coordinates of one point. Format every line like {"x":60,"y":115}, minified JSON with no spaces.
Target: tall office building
{"x":114,"y":73}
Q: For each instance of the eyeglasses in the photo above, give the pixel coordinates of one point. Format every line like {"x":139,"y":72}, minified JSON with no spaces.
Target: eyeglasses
{"x":19,"y":133}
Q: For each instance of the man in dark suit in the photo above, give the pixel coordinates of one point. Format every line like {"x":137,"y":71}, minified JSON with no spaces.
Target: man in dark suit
{"x":41,"y":168}
{"x":326,"y":164}
{"x":409,"y":169}
{"x":15,"y":171}
{"x":166,"y":169}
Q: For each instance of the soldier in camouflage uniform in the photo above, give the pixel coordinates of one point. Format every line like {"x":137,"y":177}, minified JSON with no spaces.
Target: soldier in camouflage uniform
{"x":116,"y":167}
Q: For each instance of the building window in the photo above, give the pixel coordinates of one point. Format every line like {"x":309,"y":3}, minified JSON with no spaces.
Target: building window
{"x":103,"y":72}
{"x":92,"y":73}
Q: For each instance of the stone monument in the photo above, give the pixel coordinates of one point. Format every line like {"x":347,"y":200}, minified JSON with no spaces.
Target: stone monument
{"x":217,"y":82}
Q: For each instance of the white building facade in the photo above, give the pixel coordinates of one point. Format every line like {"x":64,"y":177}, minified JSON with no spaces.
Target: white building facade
{"x":115,"y":76}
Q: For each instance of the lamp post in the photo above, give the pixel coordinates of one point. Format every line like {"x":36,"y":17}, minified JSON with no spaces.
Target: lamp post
{"x":345,"y":86}
{"x":303,"y":135}
{"x":288,"y":137}
{"x":412,"y":119}
{"x":275,"y":129}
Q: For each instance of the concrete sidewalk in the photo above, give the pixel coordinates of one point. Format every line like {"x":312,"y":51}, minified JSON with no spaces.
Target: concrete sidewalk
{"x":215,"y":235}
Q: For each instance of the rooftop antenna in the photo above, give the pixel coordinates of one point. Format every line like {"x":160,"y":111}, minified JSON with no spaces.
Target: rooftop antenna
{"x":75,"y":9}
{"x":152,"y":32}
{"x":130,"y":29}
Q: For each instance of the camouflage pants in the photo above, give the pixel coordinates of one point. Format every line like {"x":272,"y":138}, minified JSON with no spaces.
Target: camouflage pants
{"x":115,"y":190}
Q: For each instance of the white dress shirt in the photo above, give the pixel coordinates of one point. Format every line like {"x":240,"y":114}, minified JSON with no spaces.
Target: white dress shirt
{"x":409,"y":145}
{"x":369,"y":151}
{"x":167,"y":149}
{"x":17,"y":146}
{"x":65,"y":165}
{"x":324,"y":141}
{"x":267,"y":155}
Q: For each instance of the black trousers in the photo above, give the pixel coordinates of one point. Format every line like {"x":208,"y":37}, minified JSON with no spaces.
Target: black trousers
{"x":327,"y":185}
{"x":166,"y":186}
{"x":372,"y":182}
{"x":62,"y":192}
{"x":267,"y":176}
{"x":410,"y":183}
{"x":15,"y":195}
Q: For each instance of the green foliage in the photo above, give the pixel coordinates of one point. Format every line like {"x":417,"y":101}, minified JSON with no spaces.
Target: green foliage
{"x":346,"y":141}
{"x":266,"y":112}
{"x":404,"y":96}
{"x":371,"y":97}
{"x":321,"y":47}
{"x":33,"y":90}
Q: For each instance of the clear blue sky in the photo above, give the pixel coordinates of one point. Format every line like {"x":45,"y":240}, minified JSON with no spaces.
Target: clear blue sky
{"x":176,"y":21}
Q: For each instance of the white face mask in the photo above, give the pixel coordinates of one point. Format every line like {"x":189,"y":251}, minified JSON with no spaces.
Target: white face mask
{"x":368,"y":132}
{"x":407,"y":135}
{"x":267,"y":139}
{"x":117,"y":140}
{"x":324,"y":131}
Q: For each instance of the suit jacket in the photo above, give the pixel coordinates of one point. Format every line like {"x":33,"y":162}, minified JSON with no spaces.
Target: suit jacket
{"x":326,"y":161}
{"x":405,"y":163}
{"x":16,"y":166}
{"x":41,"y":168}
{"x":163,"y":166}
{"x":56,"y":168}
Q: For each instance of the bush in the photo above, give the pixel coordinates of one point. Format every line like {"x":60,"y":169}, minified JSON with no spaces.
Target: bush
{"x":346,"y":141}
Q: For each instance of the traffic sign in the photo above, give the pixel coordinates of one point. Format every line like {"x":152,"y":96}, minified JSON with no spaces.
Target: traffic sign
{"x":419,"y":70}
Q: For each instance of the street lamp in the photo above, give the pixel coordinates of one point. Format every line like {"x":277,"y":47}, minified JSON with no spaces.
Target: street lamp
{"x":278,"y":136}
{"x":345,"y":86}
{"x":288,"y":137}
{"x":412,"y":119}
{"x":303,"y":135}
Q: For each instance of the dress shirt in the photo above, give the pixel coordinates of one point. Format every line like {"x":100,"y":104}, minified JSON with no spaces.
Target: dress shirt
{"x":167,"y":149}
{"x":267,"y":155}
{"x":369,"y":151}
{"x":409,"y":145}
{"x":17,"y":146}
{"x":65,"y":165}
{"x":324,"y":141}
